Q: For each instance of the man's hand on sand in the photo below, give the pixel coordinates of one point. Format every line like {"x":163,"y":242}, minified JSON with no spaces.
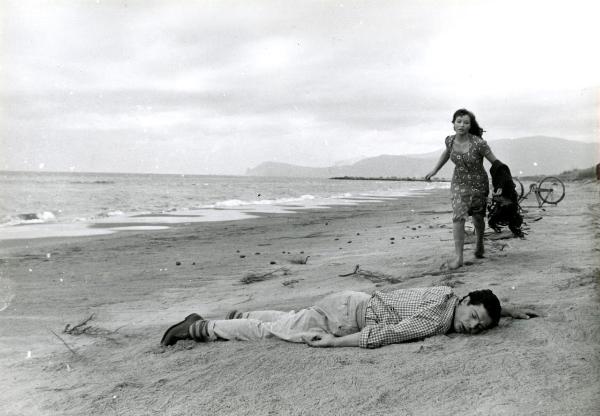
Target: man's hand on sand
{"x":321,"y":340}
{"x":519,"y":313}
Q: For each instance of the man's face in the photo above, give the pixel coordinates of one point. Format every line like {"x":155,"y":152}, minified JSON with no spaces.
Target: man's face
{"x":471,"y":319}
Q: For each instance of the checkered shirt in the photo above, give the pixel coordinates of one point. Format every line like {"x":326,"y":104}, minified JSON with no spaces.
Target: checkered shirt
{"x":407,"y":314}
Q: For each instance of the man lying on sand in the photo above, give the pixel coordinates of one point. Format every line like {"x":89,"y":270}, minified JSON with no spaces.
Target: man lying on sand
{"x":356,"y":319}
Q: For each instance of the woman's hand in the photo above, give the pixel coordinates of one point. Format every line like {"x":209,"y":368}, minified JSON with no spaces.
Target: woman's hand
{"x":443,"y":159}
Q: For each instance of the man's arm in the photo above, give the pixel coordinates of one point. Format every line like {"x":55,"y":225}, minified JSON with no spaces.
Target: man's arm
{"x":328,"y":340}
{"x":518,"y":313}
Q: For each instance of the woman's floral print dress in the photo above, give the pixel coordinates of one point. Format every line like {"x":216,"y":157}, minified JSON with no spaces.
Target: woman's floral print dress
{"x":470,"y":183}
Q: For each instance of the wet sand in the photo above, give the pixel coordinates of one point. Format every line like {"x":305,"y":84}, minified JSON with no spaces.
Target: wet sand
{"x":135,"y":284}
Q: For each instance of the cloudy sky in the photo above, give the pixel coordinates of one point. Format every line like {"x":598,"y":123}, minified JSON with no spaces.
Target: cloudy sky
{"x":216,"y":87}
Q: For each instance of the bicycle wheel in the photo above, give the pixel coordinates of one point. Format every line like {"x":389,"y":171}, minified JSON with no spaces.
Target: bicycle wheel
{"x":551,"y":190}
{"x":518,"y":187}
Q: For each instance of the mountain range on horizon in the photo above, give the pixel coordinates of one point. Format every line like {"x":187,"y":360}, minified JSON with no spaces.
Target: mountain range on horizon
{"x":527,"y":156}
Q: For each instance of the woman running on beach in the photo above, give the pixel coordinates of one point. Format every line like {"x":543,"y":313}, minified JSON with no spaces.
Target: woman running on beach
{"x":470,"y":184}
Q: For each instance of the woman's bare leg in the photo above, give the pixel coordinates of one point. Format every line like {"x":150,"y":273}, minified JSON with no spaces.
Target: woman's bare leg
{"x":458,"y":229}
{"x":479,"y":223}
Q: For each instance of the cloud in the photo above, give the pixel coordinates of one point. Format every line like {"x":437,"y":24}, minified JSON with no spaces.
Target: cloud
{"x":220,"y":86}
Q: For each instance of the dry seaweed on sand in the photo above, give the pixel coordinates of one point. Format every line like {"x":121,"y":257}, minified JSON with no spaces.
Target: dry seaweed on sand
{"x":83,"y":329}
{"x":80,"y":328}
{"x":378,"y":277}
{"x":300,"y":260}
{"x":375,"y":277}
{"x":290,"y":283}
{"x":254,"y":277}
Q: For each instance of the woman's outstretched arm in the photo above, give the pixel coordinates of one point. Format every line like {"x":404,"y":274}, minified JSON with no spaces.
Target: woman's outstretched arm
{"x":443,"y":159}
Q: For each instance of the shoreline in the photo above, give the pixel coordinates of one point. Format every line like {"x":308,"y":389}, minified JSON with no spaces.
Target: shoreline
{"x":135,"y":289}
{"x":228,"y":210}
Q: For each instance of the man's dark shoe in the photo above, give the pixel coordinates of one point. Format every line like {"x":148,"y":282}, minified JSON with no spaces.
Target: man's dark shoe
{"x":179,"y":331}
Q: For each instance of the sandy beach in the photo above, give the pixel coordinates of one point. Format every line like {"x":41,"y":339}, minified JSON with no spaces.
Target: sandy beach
{"x":133,"y":285}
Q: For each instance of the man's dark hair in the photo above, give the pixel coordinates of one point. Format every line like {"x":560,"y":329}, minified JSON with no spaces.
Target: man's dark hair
{"x":475,"y":129}
{"x":489,"y":301}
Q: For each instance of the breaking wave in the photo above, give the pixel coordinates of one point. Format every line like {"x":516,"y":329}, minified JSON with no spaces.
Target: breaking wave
{"x":30,"y":218}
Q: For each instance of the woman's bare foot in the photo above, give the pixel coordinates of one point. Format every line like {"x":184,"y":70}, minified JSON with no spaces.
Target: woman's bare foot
{"x":455,"y":264}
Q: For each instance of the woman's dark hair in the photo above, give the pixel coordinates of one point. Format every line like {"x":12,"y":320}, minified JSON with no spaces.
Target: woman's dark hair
{"x":489,"y":301}
{"x":475,"y":129}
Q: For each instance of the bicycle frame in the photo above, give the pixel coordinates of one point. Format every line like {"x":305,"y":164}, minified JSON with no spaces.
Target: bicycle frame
{"x":544,"y":195}
{"x":535,"y":189}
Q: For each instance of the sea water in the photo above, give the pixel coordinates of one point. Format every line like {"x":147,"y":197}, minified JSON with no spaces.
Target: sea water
{"x":46,"y":204}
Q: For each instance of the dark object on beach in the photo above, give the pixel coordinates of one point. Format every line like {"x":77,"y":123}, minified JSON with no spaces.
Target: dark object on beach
{"x":300,"y":260}
{"x":78,"y":329}
{"x":257,"y":254}
{"x":290,"y":283}
{"x":259,"y":277}
{"x":392,"y":238}
{"x":242,"y":256}
{"x":29,"y":217}
{"x":193,"y":263}
{"x":273,"y":262}
{"x":504,"y":209}
{"x":177,"y":263}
